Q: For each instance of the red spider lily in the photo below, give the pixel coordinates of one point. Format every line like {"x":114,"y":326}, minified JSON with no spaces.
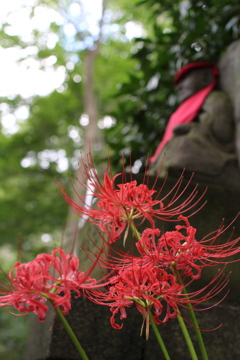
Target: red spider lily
{"x":172,"y":249}
{"x":184,"y":252}
{"x":150,"y":288}
{"x":117,"y":207}
{"x":147,"y":287}
{"x":47,"y":277}
{"x":120,"y":205}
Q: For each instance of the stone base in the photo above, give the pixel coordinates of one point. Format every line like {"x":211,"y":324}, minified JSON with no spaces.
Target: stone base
{"x":101,"y":342}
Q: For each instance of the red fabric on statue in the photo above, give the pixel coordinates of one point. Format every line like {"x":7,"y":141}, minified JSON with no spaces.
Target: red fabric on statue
{"x":194,"y":65}
{"x":189,"y":109}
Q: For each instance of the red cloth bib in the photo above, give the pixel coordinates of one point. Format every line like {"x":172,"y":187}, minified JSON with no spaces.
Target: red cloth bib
{"x":189,"y":109}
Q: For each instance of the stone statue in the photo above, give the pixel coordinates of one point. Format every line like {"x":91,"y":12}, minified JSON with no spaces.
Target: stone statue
{"x":200,"y":134}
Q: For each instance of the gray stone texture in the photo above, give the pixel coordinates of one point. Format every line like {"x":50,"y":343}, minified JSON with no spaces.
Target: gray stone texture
{"x":229,"y":66}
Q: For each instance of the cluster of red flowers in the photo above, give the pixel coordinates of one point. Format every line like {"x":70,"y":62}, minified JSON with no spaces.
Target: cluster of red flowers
{"x":153,"y":281}
{"x":48,"y":277}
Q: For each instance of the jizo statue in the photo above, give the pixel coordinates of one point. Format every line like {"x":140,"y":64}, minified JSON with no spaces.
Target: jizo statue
{"x":200,"y":133}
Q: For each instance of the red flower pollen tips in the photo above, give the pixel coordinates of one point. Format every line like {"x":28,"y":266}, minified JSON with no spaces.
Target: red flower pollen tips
{"x":46,"y":277}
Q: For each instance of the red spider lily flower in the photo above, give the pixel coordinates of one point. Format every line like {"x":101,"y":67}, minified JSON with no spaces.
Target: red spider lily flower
{"x":65,"y":270}
{"x":172,"y":249}
{"x":150,"y":288}
{"x":116,"y":207}
{"x":120,"y":205}
{"x":184,"y":252}
{"x":146,"y":287}
{"x":47,"y":277}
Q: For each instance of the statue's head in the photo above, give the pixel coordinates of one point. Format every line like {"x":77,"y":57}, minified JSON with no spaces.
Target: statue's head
{"x":194,"y":77}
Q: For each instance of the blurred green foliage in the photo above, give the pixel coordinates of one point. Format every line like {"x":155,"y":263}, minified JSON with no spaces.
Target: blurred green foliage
{"x":30,"y":157}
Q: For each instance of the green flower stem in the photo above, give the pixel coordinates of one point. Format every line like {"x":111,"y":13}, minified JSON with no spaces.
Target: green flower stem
{"x":135,"y":232}
{"x":196,"y":328}
{"x":67,"y":327}
{"x":71,"y":334}
{"x":194,"y":319}
{"x":187,"y":337}
{"x":158,"y":336}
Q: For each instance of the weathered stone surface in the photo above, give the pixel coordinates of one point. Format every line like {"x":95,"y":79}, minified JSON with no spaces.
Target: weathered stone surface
{"x":229,"y":66}
{"x":102,"y":342}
